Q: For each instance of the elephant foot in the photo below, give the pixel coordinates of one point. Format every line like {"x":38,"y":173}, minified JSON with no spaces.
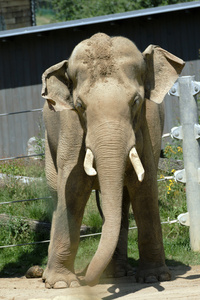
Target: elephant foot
{"x":153,"y":275}
{"x":117,"y":269}
{"x":54,"y":280}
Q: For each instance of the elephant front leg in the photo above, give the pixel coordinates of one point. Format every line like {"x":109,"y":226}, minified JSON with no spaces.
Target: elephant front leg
{"x":119,"y":266}
{"x":66,"y":224}
{"x":63,"y":247}
{"x":152,"y":266}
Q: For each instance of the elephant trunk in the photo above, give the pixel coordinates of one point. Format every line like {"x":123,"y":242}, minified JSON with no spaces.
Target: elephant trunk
{"x":110,"y":153}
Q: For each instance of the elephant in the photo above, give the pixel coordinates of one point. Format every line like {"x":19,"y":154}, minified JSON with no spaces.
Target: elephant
{"x":104,"y":119}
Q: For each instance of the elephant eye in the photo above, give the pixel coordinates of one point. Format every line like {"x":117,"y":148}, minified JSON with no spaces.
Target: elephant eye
{"x":135,"y":100}
{"x":79,"y":105}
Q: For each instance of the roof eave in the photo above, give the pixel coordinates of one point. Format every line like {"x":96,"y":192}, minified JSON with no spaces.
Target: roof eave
{"x":100,"y":19}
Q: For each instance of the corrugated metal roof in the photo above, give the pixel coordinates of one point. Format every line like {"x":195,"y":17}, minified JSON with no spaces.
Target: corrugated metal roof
{"x":101,"y":19}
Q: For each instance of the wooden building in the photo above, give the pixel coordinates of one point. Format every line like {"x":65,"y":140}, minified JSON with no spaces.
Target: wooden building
{"x":27,"y":52}
{"x":16,"y":14}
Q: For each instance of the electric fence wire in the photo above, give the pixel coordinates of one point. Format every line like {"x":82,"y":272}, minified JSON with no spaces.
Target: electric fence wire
{"x":20,"y":112}
{"x":81,"y":236}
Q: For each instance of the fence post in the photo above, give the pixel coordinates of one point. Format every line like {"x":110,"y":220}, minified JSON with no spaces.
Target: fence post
{"x":186,"y":89}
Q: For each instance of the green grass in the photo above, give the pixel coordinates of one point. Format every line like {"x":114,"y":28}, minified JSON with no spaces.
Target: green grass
{"x":16,"y":229}
{"x":92,"y":217}
{"x":16,"y":260}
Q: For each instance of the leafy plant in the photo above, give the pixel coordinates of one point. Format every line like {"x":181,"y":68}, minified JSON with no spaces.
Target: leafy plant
{"x":78,"y":9}
{"x":174,"y":151}
{"x":92,"y":217}
{"x":172,"y":203}
{"x":23,"y":167}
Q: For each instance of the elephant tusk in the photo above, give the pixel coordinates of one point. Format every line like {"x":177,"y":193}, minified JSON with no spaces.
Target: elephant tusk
{"x":137,"y":165}
{"x":88,"y":163}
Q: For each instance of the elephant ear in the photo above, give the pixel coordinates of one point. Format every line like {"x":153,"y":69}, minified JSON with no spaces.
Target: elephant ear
{"x":56,"y":87}
{"x":163,"y":68}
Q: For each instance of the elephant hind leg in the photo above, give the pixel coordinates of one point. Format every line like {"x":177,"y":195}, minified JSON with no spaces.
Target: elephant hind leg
{"x":51,"y":177}
{"x":152,"y":266}
{"x":50,"y":166}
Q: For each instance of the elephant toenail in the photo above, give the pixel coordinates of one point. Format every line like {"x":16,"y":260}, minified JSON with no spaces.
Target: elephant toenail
{"x":74,"y":284}
{"x":60,"y":285}
{"x":164,"y":277}
{"x":47,"y":285}
{"x":151,"y":279}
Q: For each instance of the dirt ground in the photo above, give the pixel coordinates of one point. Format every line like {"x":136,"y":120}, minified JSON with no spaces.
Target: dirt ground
{"x":185,"y":284}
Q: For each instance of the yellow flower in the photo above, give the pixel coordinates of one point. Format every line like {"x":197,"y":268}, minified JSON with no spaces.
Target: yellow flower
{"x":167,"y":148}
{"x":180,"y":149}
{"x":171,"y":182}
{"x":172,"y":170}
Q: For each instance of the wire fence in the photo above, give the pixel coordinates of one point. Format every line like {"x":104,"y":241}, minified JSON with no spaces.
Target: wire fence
{"x":20,"y":112}
{"x":24,"y":200}
{"x":24,"y":156}
{"x":81,"y":236}
{"x":47,"y":198}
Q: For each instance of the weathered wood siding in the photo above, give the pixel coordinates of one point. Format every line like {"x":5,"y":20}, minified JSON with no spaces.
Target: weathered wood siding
{"x":15,"y":14}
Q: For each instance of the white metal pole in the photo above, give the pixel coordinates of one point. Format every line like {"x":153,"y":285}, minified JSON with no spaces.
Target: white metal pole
{"x":191,"y":153}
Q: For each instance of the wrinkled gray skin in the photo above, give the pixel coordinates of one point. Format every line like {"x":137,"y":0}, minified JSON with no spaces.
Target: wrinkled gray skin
{"x":106,"y":98}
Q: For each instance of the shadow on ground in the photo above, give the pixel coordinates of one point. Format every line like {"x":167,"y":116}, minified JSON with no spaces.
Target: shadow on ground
{"x":118,"y":288}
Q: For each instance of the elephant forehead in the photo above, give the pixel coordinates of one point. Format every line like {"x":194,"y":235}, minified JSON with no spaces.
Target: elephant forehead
{"x":103,"y":47}
{"x":102,"y":57}
{"x":125,"y":47}
{"x":97,"y":46}
{"x":93,"y":52}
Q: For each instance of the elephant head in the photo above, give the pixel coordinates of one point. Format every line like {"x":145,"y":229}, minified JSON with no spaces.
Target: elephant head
{"x":106,"y":82}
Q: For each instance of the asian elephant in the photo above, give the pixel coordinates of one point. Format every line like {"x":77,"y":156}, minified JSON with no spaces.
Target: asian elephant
{"x":104,"y":121}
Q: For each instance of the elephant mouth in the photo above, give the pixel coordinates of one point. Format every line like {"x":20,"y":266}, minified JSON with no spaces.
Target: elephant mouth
{"x":134,"y":158}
